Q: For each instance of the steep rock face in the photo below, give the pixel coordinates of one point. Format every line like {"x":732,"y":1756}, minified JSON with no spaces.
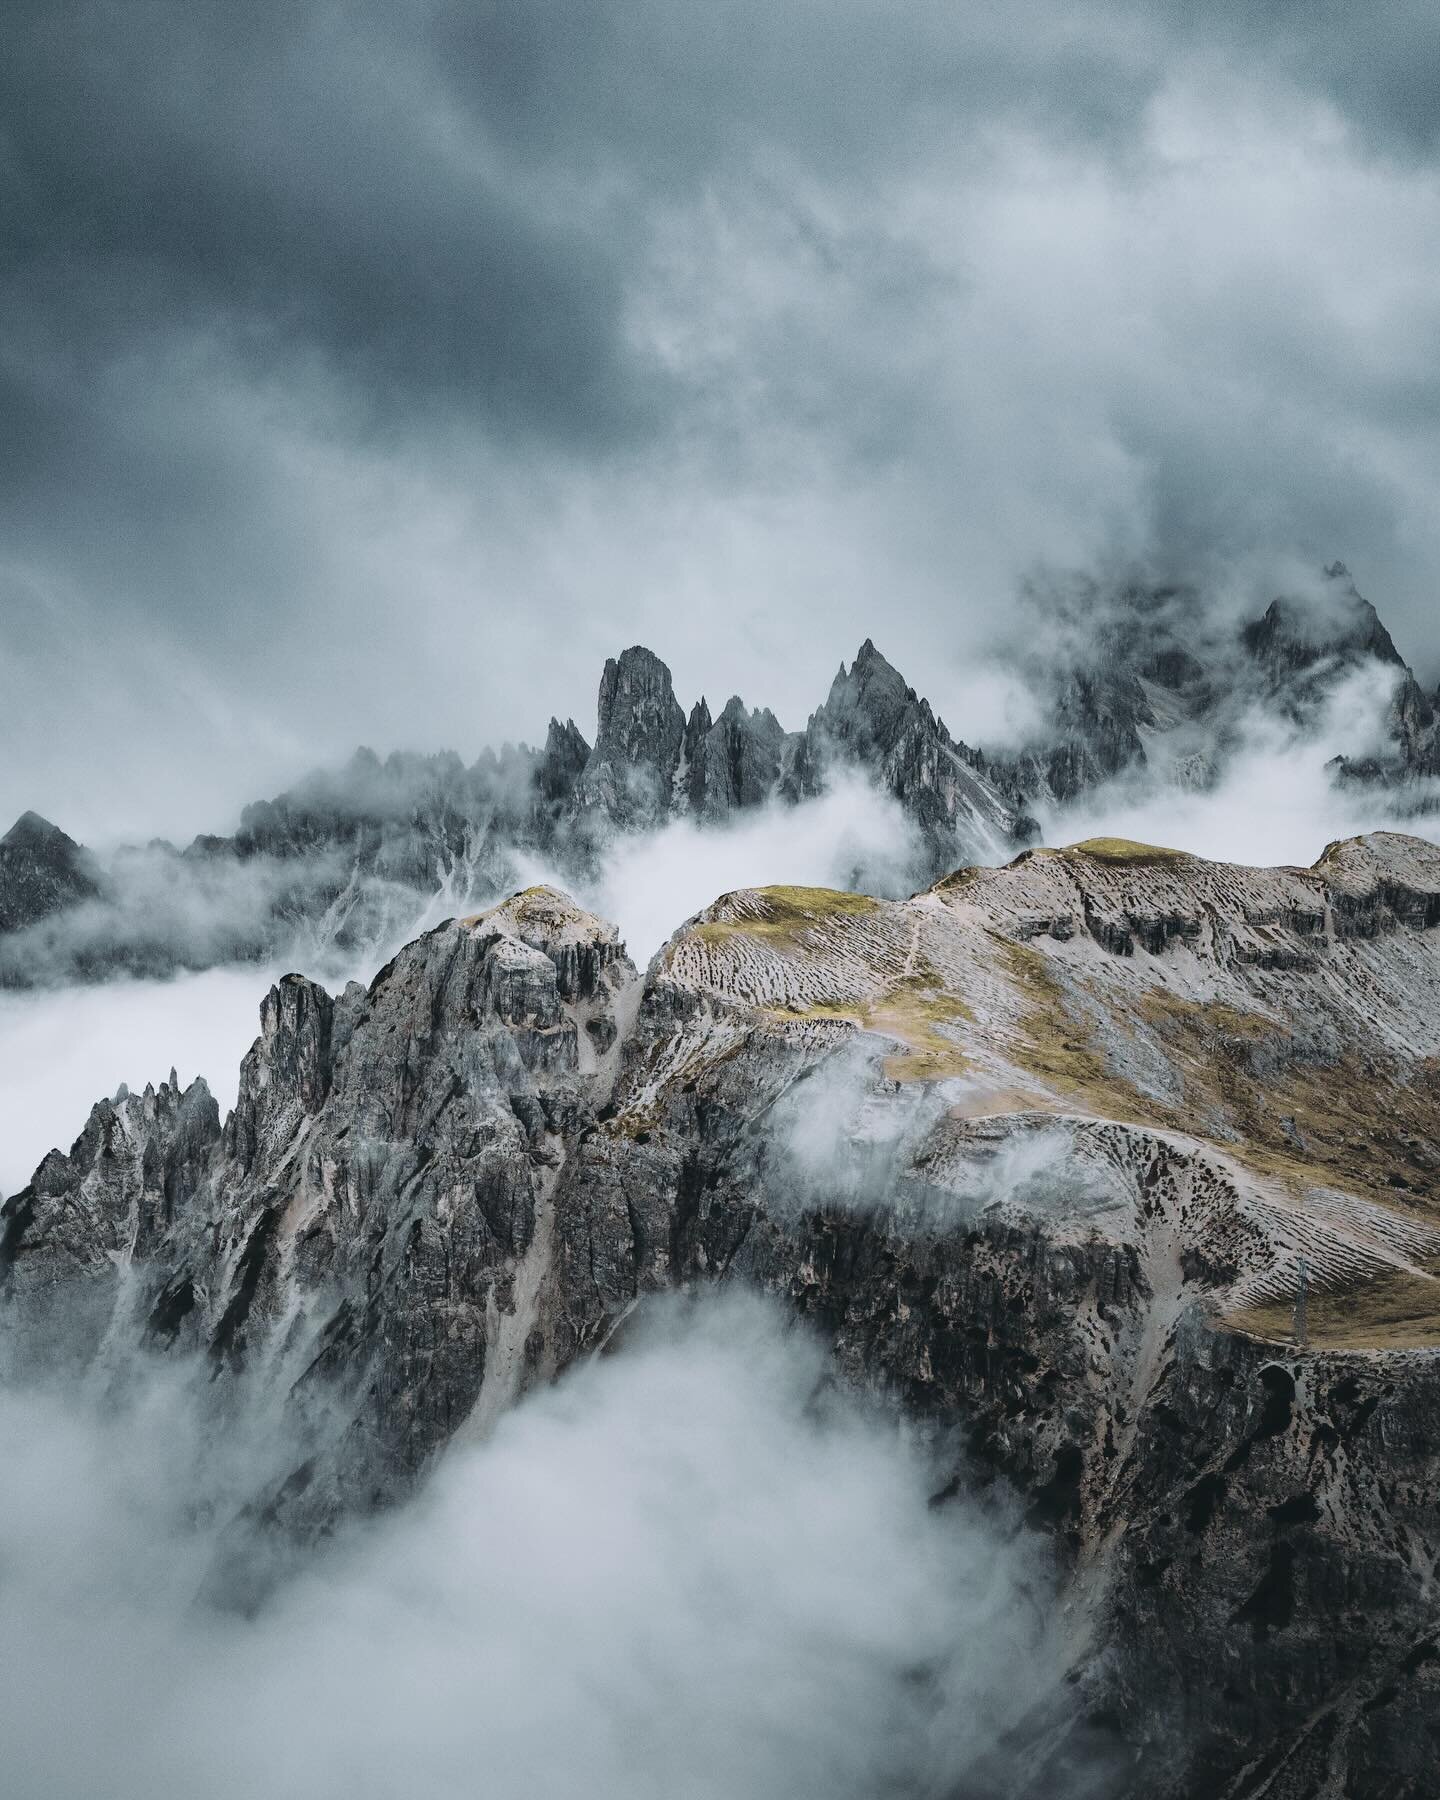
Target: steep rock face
{"x":734,"y":762}
{"x":561,"y":762}
{"x":1303,"y":652}
{"x":1156,"y":689}
{"x":412,"y":820}
{"x":631,"y":773}
{"x":1414,"y":727}
{"x":1338,"y":629}
{"x":649,"y":761}
{"x":42,"y":871}
{"x":1100,"y":723}
{"x":1045,"y":1153}
{"x":67,"y":1241}
{"x":875,"y":722}
{"x":1114,"y":672}
{"x":358,"y":1235}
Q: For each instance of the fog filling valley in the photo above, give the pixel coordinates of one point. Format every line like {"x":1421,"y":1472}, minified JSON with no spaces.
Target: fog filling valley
{"x":694,"y":1567}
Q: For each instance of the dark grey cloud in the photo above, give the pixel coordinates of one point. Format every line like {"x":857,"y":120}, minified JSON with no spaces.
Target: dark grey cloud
{"x":857,"y":85}
{"x":372,"y":372}
{"x":442,"y":208}
{"x":286,"y":185}
{"x":1380,"y":69}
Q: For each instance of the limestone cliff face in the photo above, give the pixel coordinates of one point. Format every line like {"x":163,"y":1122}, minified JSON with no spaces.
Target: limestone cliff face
{"x":735,"y":761}
{"x":630,"y":776}
{"x":1149,"y":687}
{"x":1044,"y":1153}
{"x":1291,"y":641}
{"x":373,"y":1217}
{"x":1100,"y":722}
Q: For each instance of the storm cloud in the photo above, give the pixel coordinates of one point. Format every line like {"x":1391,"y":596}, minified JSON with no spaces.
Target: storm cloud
{"x":375,"y":372}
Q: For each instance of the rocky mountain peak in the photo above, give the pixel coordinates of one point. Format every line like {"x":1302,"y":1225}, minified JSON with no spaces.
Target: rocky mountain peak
{"x":562,"y":761}
{"x":734,"y":760}
{"x":873,"y":720}
{"x":32,"y":832}
{"x":42,"y":871}
{"x":1334,"y":624}
{"x":871,"y":700}
{"x":639,"y":739}
{"x":639,"y":717}
{"x":581,"y":946}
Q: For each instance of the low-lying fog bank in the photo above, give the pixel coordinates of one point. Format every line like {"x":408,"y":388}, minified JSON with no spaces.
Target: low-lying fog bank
{"x":692,"y":1568}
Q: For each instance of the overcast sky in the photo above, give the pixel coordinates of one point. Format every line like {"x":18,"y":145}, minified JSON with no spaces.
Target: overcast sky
{"x":371,"y":372}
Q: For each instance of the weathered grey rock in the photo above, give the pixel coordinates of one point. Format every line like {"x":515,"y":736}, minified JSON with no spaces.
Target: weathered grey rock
{"x":630,"y":776}
{"x":358,"y":1234}
{"x":733,"y":762}
{"x":1337,"y":630}
{"x":1038,"y":1151}
{"x":42,"y":871}
{"x":1147,"y":688}
{"x":873,"y":721}
{"x":1102,"y":723}
{"x":561,"y":763}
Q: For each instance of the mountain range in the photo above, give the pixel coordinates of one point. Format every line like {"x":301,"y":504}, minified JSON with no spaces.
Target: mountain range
{"x":1110,"y":1172}
{"x":356,"y":859}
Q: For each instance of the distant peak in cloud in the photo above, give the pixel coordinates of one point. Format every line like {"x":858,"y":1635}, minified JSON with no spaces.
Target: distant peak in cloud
{"x":33,"y":832}
{"x":42,"y":871}
{"x":1332,"y":619}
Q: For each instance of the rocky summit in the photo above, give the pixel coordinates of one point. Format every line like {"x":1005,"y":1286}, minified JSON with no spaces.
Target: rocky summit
{"x":1115,"y":1170}
{"x":42,"y":871}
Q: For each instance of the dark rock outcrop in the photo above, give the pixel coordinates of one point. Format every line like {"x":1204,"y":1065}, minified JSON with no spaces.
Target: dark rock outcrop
{"x":1150,"y":688}
{"x":734,"y":762}
{"x":1098,"y":720}
{"x":630,"y":776}
{"x":872,"y":720}
{"x":358,"y":1233}
{"x":1337,"y":628}
{"x":561,"y":762}
{"x":42,"y":872}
